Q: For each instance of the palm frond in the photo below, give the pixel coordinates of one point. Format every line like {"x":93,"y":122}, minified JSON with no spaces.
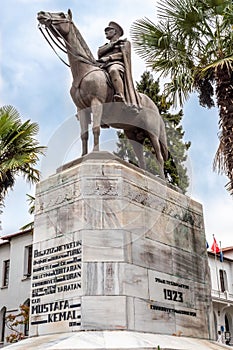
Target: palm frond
{"x":226,"y":61}
{"x":149,"y":39}
{"x":31,"y":202}
{"x":19,"y":149}
{"x":186,"y":17}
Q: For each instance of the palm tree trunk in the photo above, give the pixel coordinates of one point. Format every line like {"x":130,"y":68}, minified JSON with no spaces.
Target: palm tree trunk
{"x":224,"y":93}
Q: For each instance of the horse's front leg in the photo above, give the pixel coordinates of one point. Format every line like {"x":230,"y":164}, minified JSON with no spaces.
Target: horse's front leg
{"x":84,"y":117}
{"x":84,"y":138}
{"x":97,"y":109}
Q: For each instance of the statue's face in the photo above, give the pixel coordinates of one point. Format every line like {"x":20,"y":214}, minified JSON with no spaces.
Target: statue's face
{"x":110,"y":33}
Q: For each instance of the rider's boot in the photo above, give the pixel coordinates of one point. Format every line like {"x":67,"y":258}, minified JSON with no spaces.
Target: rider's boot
{"x":118,"y":85}
{"x":119,"y":93}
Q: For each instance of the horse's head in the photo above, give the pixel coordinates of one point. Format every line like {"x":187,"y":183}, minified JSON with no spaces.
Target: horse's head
{"x":58,"y":23}
{"x":61,"y":26}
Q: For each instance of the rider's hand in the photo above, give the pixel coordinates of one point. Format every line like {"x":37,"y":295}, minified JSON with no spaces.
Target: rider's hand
{"x":104,"y":59}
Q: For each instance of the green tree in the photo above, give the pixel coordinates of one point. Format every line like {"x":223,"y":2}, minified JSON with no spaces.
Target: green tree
{"x":174,"y":166}
{"x":19,"y":150}
{"x":192,"y":46}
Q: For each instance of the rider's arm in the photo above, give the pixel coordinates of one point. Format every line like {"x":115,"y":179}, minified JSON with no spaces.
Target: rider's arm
{"x":103,"y":50}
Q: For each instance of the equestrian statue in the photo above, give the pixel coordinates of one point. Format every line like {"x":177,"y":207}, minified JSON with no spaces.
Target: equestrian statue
{"x":104,"y":88}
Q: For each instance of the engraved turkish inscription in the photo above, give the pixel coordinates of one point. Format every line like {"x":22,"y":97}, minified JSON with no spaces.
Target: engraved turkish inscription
{"x":62,"y":310}
{"x":56,"y":270}
{"x":173,"y":295}
{"x":172,"y":310}
{"x":170,"y":290}
{"x":57,"y":197}
{"x":100,"y":187}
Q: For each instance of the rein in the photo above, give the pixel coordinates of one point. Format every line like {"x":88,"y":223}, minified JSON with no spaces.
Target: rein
{"x":61,"y":45}
{"x":41,"y":30}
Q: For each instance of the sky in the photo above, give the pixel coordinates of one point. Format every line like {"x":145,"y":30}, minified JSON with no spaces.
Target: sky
{"x":37,"y":84}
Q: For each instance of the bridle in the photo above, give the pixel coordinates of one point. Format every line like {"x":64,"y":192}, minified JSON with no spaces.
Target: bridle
{"x":60,"y":41}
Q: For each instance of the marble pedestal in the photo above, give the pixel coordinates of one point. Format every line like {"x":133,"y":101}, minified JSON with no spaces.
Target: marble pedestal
{"x":116,"y":249}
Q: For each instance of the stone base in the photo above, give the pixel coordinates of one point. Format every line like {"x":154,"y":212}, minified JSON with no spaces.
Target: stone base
{"x":116,"y":340}
{"x":116,"y":249}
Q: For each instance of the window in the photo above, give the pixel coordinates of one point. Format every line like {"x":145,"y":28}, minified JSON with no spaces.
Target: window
{"x":2,"y":324}
{"x":6,"y":271}
{"x":28,"y":261}
{"x":223,"y":280}
{"x":227,"y":328}
{"x":26,"y":325}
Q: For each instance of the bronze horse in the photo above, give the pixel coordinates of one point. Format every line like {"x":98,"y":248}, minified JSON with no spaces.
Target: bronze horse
{"x":92,"y":93}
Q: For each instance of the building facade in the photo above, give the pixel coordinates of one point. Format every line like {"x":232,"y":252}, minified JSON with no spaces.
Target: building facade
{"x":15,"y":279}
{"x":222,"y":293}
{"x":15,"y":272}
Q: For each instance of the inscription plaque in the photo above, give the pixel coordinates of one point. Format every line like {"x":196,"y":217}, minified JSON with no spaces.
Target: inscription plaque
{"x":57,"y":272}
{"x":170,"y":291}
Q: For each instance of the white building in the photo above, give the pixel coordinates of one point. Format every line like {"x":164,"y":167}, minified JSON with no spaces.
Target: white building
{"x":222,"y":291}
{"x":15,"y":272}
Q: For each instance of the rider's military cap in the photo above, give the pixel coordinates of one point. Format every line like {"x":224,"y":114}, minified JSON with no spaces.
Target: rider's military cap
{"x":117,"y":27}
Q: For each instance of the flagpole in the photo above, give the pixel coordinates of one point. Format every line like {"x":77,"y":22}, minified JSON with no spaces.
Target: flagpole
{"x":215,"y":258}
{"x":216,"y":268}
{"x":221,"y":253}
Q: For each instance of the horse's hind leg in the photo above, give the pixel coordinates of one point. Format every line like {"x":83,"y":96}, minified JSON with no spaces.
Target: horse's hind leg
{"x":137,"y":147}
{"x":84,"y":119}
{"x":156,"y":145}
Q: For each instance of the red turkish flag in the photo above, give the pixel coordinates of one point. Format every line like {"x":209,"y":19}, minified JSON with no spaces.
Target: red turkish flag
{"x":215,"y":247}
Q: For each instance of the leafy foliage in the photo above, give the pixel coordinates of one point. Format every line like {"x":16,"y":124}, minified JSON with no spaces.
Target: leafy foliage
{"x":13,"y":321}
{"x":192,"y":46}
{"x":174,"y":166}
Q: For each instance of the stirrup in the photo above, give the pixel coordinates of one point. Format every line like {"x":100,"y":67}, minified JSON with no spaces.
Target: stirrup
{"x":118,"y":98}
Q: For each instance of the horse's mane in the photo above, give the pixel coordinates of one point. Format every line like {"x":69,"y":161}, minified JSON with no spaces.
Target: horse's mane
{"x":83,"y":43}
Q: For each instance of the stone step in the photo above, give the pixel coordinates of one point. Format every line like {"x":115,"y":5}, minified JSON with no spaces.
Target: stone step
{"x":113,"y":340}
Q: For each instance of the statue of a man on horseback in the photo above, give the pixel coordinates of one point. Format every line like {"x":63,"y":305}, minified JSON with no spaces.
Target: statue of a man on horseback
{"x":115,"y":57}
{"x":93,"y":95}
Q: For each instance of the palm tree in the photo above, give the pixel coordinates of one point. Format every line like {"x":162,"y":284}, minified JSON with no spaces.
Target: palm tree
{"x":192,"y":45}
{"x":31,"y":210}
{"x":19,"y":150}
